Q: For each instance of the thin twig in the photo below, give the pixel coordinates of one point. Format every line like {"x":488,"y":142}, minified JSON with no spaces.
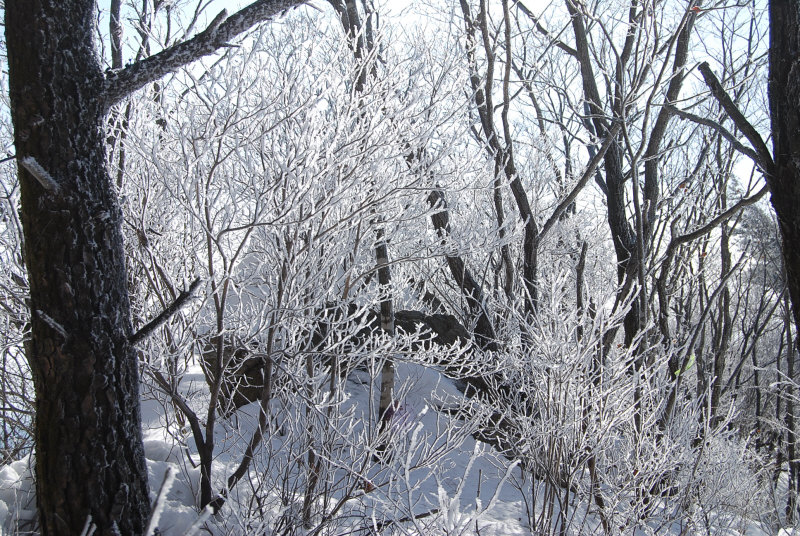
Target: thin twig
{"x":389,"y":522}
{"x":725,"y":133}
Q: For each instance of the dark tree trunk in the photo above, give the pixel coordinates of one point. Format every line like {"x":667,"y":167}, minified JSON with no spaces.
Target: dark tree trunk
{"x":89,"y":454}
{"x":789,"y":421}
{"x":361,"y":43}
{"x":473,"y":292}
{"x":784,"y":105}
{"x":631,"y":243}
{"x":784,"y":182}
{"x":724,"y":327}
{"x":622,"y":233}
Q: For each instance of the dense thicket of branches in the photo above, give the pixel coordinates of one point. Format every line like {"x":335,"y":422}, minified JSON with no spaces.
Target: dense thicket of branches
{"x":562,"y":209}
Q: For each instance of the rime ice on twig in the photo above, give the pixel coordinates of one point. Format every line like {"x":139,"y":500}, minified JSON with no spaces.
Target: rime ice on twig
{"x":52,"y":323}
{"x":39,"y":173}
{"x":89,"y":528}
{"x":122,"y":82}
{"x":161,"y":500}
{"x":173,"y":308}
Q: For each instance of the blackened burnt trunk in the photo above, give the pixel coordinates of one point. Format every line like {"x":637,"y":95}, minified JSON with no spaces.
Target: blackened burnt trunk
{"x":89,"y":454}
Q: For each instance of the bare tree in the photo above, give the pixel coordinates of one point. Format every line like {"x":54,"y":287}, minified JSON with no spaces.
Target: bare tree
{"x":89,"y":455}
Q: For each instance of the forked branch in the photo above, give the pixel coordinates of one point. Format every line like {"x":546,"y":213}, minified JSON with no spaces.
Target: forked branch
{"x":122,"y":82}
{"x":724,"y":132}
{"x":764,"y":156}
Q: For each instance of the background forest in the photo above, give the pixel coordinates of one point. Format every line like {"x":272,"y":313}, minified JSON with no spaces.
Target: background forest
{"x":460,"y":267}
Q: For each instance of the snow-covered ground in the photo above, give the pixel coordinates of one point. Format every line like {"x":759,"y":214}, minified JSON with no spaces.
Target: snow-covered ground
{"x":438,"y":474}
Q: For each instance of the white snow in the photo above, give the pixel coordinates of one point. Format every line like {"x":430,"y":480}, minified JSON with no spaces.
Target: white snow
{"x":471,"y":490}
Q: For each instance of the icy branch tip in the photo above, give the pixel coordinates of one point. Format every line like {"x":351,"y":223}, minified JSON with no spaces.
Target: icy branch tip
{"x":160,"y":502}
{"x":39,"y":173}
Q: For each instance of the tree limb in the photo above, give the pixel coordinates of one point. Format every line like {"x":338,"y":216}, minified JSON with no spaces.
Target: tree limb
{"x":542,"y":30}
{"x":115,"y":31}
{"x":764,"y":156}
{"x":672,"y":249}
{"x":705,"y":229}
{"x":122,"y":82}
{"x":725,"y":133}
{"x":173,"y":308}
{"x":587,"y":174}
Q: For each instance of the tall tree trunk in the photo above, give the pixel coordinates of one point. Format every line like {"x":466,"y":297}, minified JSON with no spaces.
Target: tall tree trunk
{"x":784,"y":106}
{"x":386,"y":403}
{"x":361,"y":43}
{"x":89,"y":454}
{"x":631,"y":243}
{"x":622,"y":233}
{"x":501,"y":148}
{"x":724,"y":328}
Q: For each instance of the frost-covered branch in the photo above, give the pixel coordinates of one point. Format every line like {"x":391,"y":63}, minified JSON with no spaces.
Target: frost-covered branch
{"x":764,"y":157}
{"x":708,"y":227}
{"x":542,"y":30}
{"x":725,"y":133}
{"x":587,"y":174}
{"x":160,"y":502}
{"x":121,"y":83}
{"x":39,"y":173}
{"x":173,"y":308}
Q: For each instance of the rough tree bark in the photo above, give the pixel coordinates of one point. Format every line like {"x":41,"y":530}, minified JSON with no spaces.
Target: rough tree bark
{"x":784,"y":107}
{"x":89,"y":454}
{"x":784,"y":179}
